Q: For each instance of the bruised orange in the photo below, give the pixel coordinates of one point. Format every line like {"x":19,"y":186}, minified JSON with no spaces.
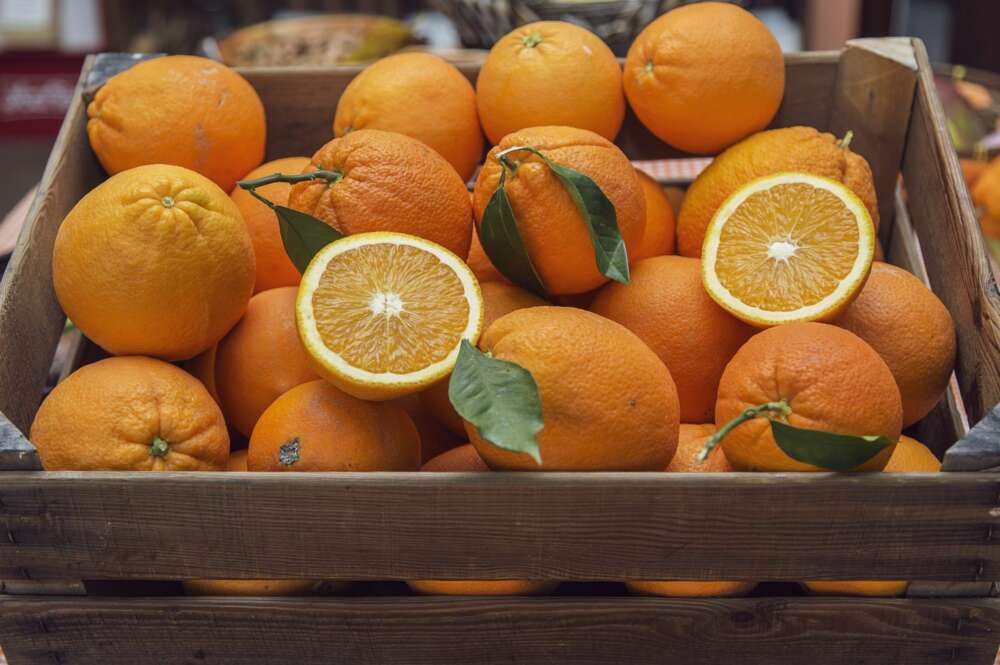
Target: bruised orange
{"x":317,"y":427}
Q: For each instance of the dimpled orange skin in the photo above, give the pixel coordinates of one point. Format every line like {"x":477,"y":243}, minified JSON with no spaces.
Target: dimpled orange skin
{"x":317,"y":427}
{"x":569,"y":77}
{"x":704,"y":76}
{"x":420,"y":95}
{"x":800,"y":149}
{"x":832,"y":381}
{"x":182,"y":110}
{"x":274,"y":268}
{"x":106,"y":416}
{"x":499,"y":298}
{"x":154,"y":261}
{"x":435,"y":438}
{"x":913,"y":332}
{"x":260,"y":359}
{"x":391,"y":183}
{"x":911,"y":456}
{"x":554,"y":233}
{"x":692,"y":439}
{"x":608,"y":402}
{"x":666,"y":305}
{"x":238,"y":462}
{"x":464,"y":458}
{"x":658,"y":237}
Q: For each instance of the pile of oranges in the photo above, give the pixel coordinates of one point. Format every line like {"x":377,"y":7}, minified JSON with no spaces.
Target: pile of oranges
{"x":542,"y":323}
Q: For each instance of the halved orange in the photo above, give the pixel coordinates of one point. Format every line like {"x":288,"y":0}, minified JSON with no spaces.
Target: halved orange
{"x":788,"y":247}
{"x":383,"y":314}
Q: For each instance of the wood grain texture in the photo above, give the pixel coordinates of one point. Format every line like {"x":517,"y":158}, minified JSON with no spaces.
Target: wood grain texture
{"x":527,"y":631}
{"x":30,"y":317}
{"x":599,"y":526}
{"x":956,"y":259}
{"x":872,"y":98}
{"x":16,"y":452}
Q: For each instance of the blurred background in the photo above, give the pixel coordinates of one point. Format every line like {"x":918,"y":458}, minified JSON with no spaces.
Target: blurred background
{"x":43,"y":42}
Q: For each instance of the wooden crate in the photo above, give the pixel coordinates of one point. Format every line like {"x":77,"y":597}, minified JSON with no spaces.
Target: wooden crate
{"x":59,"y":528}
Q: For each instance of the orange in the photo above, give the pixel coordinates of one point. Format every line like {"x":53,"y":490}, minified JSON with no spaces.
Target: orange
{"x":390,"y":182}
{"x":550,"y":73}
{"x":465,"y":458}
{"x":238,"y":462}
{"x":675,"y":195}
{"x":693,"y":588}
{"x":831,"y":380}
{"x":658,"y":238}
{"x":608,"y":402}
{"x":260,"y":359}
{"x":554,"y":233}
{"x":499,"y":298}
{"x":202,"y":367}
{"x":274,"y":268}
{"x":875,"y":588}
{"x":666,"y":305}
{"x":460,"y":458}
{"x":154,"y":261}
{"x":986,"y":196}
{"x":911,"y":329}
{"x":316,"y":427}
{"x":692,"y":439}
{"x":910,"y":456}
{"x":181,"y":110}
{"x":788,"y":247}
{"x":435,"y":438}
{"x":481,"y":266}
{"x":800,"y":149}
{"x":972,"y":169}
{"x":130,"y":414}
{"x":704,"y":76}
{"x":383,"y":315}
{"x":420,"y":95}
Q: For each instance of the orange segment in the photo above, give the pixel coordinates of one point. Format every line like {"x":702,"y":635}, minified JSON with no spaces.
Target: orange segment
{"x":383,"y":314}
{"x":788,"y":247}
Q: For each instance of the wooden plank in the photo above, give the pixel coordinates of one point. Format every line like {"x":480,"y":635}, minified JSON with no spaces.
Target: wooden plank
{"x":528,"y":631}
{"x":16,"y":452}
{"x":956,"y":259}
{"x":598,"y":526}
{"x":30,"y":317}
{"x":876,"y":79}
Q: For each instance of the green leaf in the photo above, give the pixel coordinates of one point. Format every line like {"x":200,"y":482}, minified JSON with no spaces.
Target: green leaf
{"x":500,"y":398}
{"x":837,"y":452}
{"x":602,"y":221}
{"x":502,"y":241}
{"x":303,"y":235}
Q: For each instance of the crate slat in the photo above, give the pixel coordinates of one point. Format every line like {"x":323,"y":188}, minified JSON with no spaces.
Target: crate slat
{"x":528,"y":631}
{"x":601,"y":526}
